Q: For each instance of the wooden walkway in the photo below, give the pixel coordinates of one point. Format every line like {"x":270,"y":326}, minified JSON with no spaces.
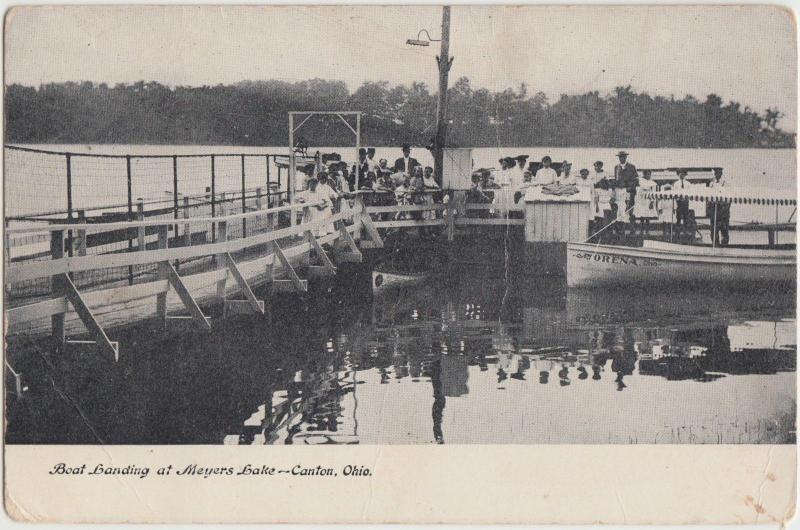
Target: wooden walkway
{"x":280,"y":253}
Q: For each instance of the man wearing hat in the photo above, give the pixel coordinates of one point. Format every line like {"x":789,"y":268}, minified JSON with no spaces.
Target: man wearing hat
{"x":683,"y":218}
{"x":719,"y":212}
{"x":406,"y":163}
{"x":627,"y":179}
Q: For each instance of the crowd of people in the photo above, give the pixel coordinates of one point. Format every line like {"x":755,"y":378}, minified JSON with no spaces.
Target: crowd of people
{"x":324,"y":182}
{"x":616,"y":197}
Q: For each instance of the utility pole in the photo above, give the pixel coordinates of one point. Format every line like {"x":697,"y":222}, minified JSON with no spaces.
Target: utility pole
{"x":444,"y":60}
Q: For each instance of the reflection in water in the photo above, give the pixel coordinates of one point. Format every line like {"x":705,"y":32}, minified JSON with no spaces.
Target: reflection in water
{"x":467,"y":362}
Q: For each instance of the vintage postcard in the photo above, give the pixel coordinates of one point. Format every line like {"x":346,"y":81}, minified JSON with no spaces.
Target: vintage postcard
{"x":400,"y":264}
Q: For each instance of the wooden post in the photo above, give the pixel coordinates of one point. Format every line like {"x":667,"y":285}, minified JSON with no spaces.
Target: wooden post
{"x":269,"y":193}
{"x":292,"y":169}
{"x":58,"y":288}
{"x":130,"y":210}
{"x":222,"y":236}
{"x":444,"y":61}
{"x":244,"y":201}
{"x":187,"y":229}
{"x":451,"y":221}
{"x":257,"y":220}
{"x":69,"y":201}
{"x":81,"y":242}
{"x":140,"y":241}
{"x":307,"y":236}
{"x":213,"y":199}
{"x":163,"y":274}
{"x":175,"y":192}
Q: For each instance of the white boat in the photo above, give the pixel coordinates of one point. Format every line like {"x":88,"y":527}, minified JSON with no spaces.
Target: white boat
{"x":383,"y":281}
{"x":659,"y":263}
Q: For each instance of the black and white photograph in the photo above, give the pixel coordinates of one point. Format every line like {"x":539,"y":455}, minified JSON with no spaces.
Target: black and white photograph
{"x":400,"y":225}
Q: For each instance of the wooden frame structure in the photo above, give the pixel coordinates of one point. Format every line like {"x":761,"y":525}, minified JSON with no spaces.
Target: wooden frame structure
{"x":184,"y":290}
{"x":308,"y":114}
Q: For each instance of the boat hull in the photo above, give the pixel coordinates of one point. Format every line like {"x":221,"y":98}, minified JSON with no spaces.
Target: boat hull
{"x":662,"y":264}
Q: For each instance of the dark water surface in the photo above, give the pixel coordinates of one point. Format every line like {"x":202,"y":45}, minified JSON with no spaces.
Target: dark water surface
{"x":467,"y":357}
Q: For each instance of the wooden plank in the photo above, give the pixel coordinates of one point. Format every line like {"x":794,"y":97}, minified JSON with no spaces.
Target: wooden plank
{"x":408,"y":223}
{"x":29,"y":271}
{"x":255,"y":304}
{"x":102,"y":227}
{"x":111,"y":299}
{"x":348,"y":239}
{"x":372,"y":232}
{"x":104,"y":345}
{"x":186,"y":298}
{"x":405,"y":208}
{"x":320,"y":252}
{"x":477,"y":221}
{"x":288,"y":269}
{"x":242,"y":307}
{"x":279,"y":286}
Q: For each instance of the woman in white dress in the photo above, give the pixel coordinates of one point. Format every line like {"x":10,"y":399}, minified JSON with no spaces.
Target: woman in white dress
{"x":504,"y":195}
{"x":312,"y":195}
{"x":645,"y":209}
{"x":430,"y":188}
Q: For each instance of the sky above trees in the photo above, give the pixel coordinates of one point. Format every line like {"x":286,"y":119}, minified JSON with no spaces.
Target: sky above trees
{"x":740,"y":53}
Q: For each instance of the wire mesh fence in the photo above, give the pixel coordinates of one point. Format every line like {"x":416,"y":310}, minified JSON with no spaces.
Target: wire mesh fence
{"x":44,"y":187}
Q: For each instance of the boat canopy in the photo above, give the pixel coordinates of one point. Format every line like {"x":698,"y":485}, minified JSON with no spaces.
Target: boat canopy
{"x":731,"y":195}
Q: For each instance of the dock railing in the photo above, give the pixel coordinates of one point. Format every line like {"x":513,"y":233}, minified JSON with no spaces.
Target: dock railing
{"x":252,"y":258}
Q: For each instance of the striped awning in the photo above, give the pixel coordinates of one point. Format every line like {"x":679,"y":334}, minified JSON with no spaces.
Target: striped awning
{"x":732,"y":195}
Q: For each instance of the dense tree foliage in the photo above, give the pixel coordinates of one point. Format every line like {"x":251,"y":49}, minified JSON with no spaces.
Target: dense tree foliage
{"x":254,"y":113}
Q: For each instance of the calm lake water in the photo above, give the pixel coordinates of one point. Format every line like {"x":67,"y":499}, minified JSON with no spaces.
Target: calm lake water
{"x":469,"y":357}
{"x":37,"y":183}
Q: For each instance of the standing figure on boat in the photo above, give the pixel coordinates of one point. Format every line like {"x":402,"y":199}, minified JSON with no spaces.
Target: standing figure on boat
{"x":627,"y":178}
{"x":567,"y":178}
{"x":584,"y":181}
{"x":599,"y":174}
{"x":601,"y":204}
{"x":719,"y":212}
{"x":684,"y":217}
{"x":545,"y":175}
{"x":645,"y":209}
{"x":406,"y":163}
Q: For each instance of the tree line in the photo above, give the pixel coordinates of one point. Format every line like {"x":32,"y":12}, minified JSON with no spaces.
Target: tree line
{"x":255,"y":113}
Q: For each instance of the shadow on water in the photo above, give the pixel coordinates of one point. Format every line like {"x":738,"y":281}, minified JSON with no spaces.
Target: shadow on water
{"x":468,"y":357}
